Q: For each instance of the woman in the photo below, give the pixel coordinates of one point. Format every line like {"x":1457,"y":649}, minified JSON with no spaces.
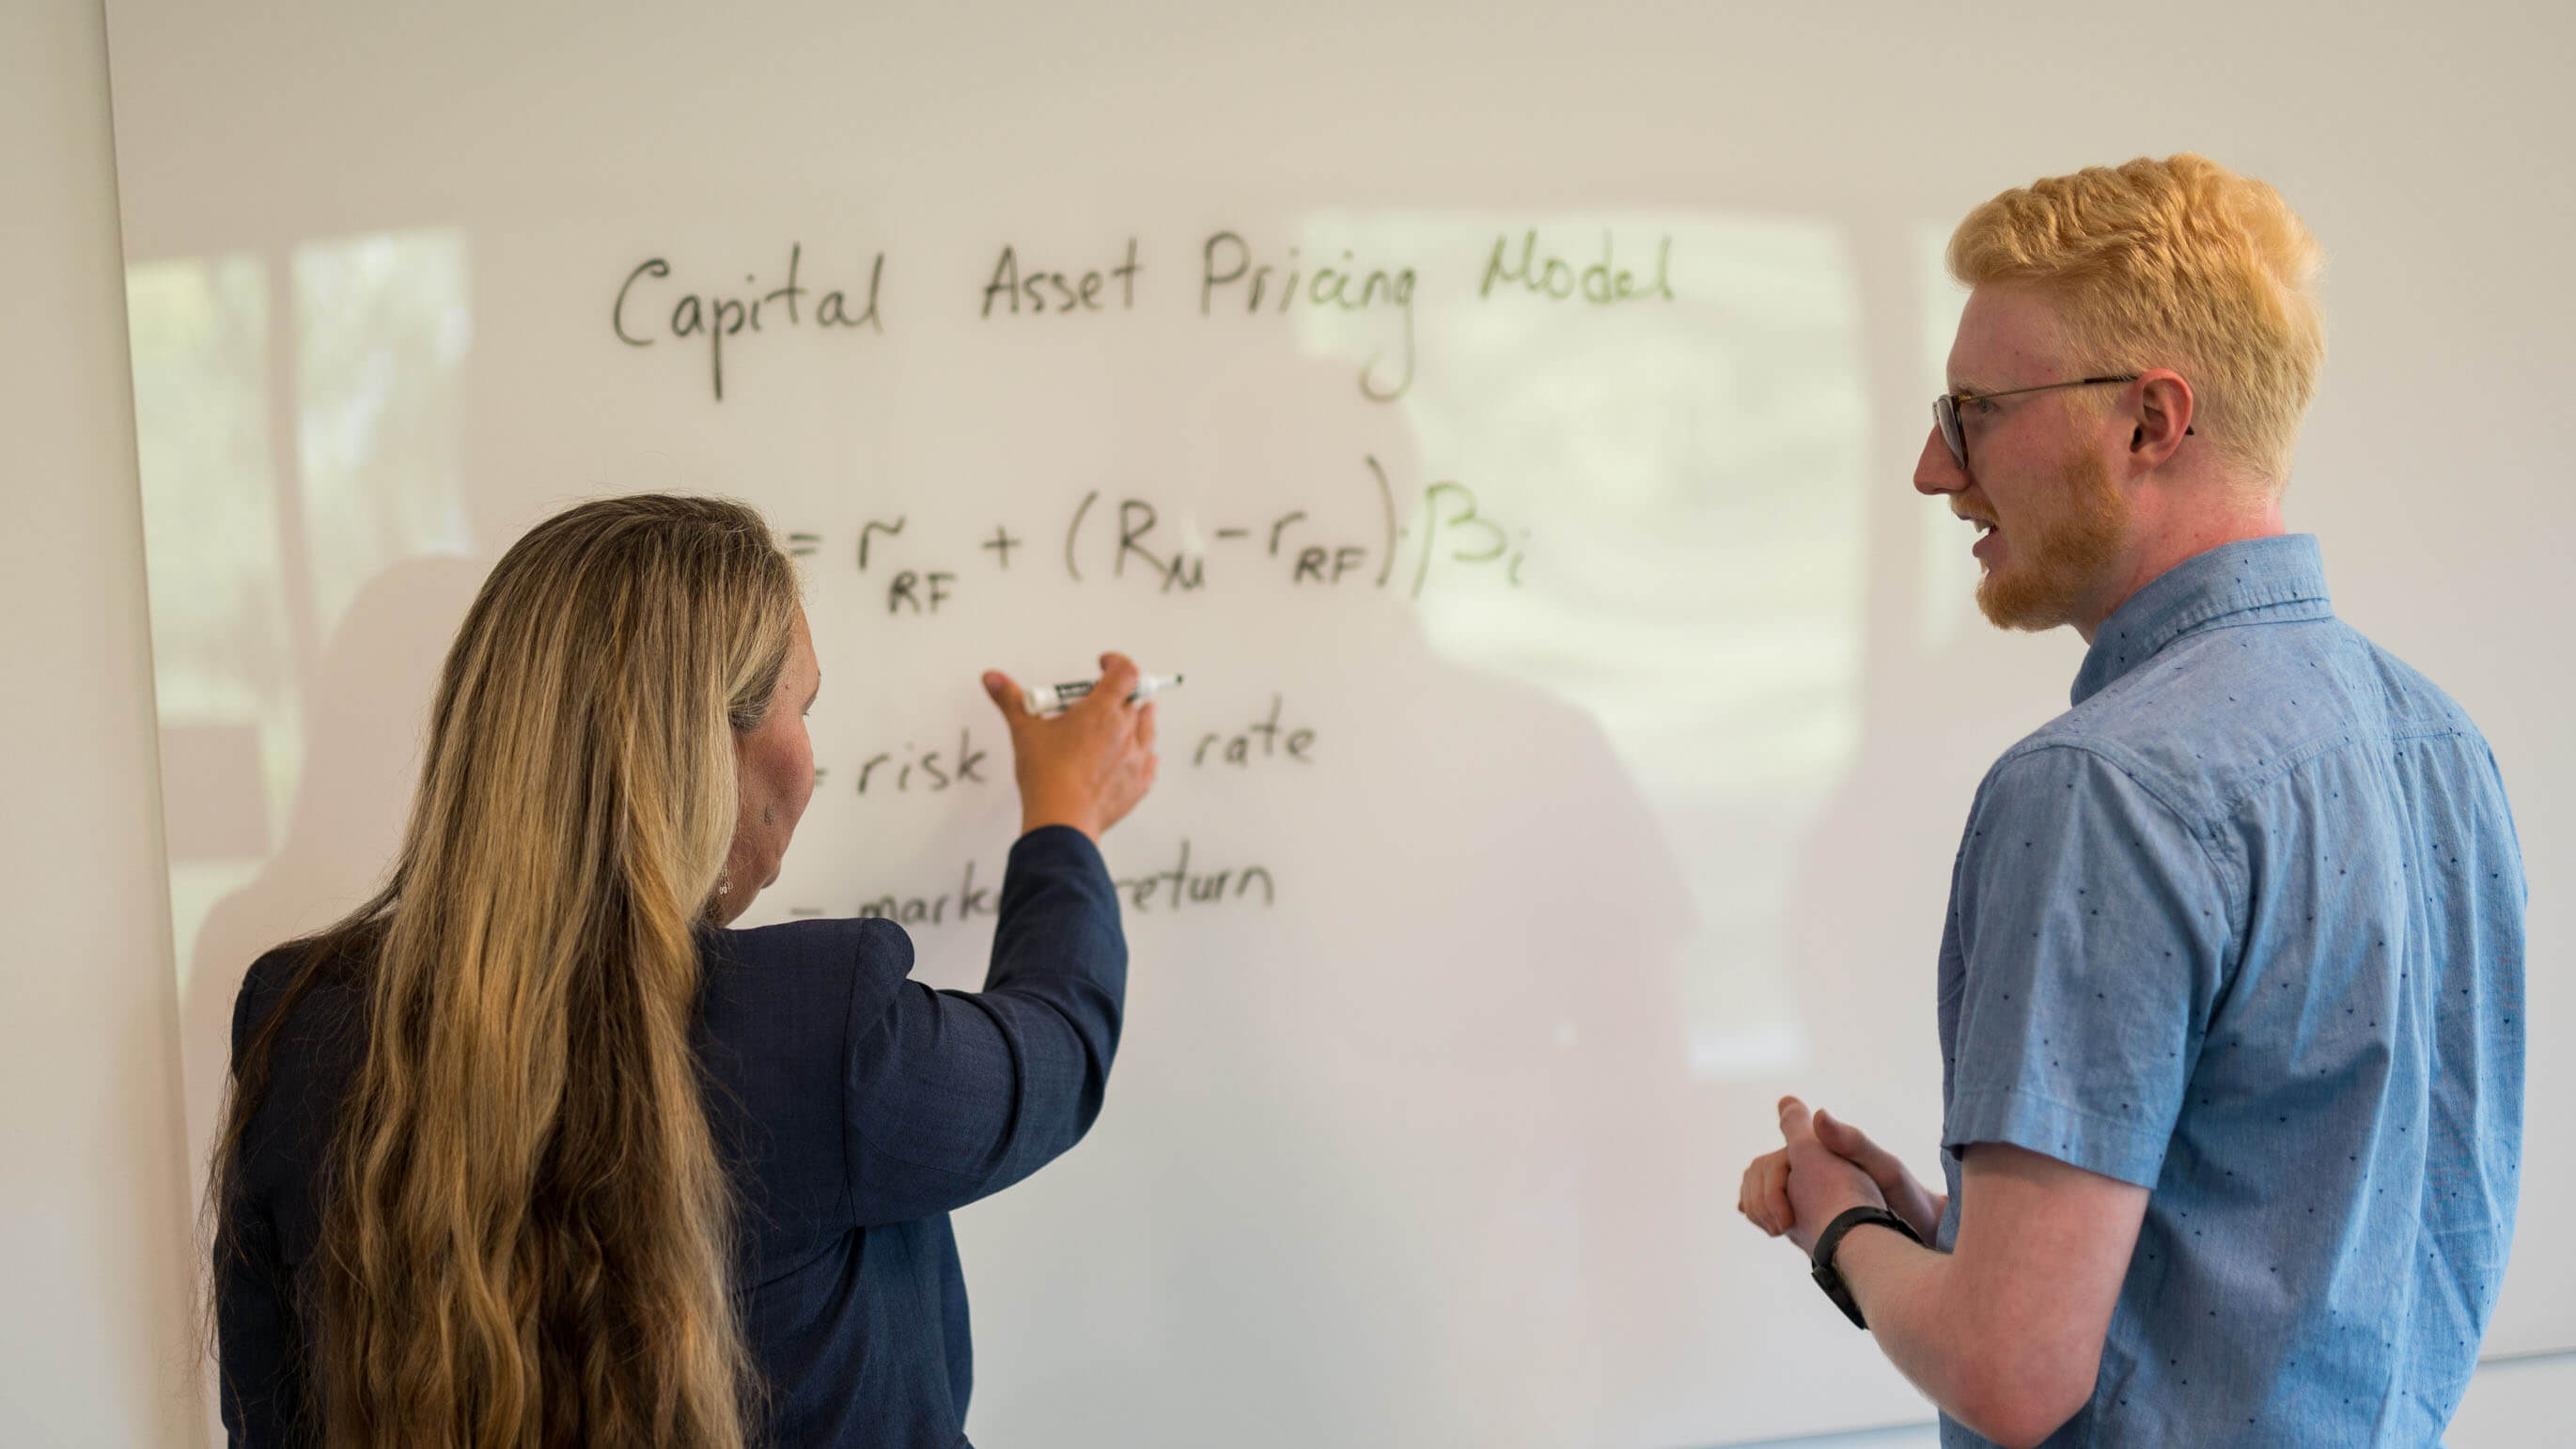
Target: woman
{"x":530,"y":1151}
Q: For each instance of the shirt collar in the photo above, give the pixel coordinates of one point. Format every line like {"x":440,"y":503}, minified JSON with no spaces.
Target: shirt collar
{"x":2249,"y":581}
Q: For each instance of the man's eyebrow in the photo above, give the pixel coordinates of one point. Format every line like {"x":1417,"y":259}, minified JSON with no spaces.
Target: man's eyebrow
{"x":1968,"y":389}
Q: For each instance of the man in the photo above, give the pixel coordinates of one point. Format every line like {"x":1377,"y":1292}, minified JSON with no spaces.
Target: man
{"x":2230,"y":991}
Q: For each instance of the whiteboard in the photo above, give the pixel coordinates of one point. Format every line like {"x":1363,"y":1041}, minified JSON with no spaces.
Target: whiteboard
{"x":1502,"y":416}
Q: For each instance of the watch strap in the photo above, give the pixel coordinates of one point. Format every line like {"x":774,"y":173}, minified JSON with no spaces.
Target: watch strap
{"x":1822,"y":1266}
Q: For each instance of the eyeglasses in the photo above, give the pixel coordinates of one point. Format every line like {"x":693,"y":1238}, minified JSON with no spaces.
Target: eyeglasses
{"x":1945,"y":408}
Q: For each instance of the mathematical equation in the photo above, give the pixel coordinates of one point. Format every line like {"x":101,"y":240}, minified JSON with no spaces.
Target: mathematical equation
{"x":1128,"y":541}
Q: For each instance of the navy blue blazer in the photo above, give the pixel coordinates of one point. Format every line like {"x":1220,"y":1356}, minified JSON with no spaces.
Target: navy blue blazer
{"x":855,"y":1108}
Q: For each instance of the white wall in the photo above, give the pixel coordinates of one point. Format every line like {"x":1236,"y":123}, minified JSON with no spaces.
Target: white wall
{"x":95,"y":1260}
{"x":2518,"y":1404}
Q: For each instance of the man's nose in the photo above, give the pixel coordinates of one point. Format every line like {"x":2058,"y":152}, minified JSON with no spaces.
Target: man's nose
{"x":1936,"y":472}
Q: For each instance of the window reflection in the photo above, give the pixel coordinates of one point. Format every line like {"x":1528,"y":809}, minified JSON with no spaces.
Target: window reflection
{"x":298,"y":418}
{"x":1694,"y":465}
{"x":382,"y":324}
{"x":223,"y":658}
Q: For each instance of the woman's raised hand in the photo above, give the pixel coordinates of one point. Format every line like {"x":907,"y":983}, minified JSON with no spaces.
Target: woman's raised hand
{"x":1088,"y":766}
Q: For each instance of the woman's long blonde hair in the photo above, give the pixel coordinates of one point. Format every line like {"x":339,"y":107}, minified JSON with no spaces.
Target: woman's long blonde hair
{"x":526,"y":1232}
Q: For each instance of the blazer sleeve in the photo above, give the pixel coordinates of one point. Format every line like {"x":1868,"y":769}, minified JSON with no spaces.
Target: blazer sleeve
{"x":954,"y":1095}
{"x":261,"y":1365}
{"x":259,"y":1346}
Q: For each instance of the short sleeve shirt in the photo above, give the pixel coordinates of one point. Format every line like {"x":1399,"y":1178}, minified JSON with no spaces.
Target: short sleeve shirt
{"x":2245,"y":927}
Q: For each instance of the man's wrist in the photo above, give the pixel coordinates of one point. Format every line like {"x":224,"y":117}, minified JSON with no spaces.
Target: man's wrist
{"x":1825,"y":1260}
{"x":1853,"y":1218}
{"x":1830,"y":1214}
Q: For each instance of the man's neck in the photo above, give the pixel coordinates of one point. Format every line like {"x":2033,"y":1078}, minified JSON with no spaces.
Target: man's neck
{"x":2157,"y":545}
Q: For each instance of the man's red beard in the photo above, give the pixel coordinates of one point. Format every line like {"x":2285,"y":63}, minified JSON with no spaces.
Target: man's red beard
{"x":2053,"y":561}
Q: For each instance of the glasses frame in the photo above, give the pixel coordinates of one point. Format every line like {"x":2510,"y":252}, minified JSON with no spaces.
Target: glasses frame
{"x":1945,"y":408}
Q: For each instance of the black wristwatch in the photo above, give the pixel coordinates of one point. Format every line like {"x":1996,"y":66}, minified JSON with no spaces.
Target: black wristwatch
{"x":1832,"y":1237}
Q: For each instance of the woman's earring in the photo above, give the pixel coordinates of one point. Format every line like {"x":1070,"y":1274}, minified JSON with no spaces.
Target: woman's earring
{"x":724,"y":883}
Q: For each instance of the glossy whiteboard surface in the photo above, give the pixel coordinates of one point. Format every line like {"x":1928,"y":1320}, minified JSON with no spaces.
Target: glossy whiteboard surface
{"x":1502,"y":416}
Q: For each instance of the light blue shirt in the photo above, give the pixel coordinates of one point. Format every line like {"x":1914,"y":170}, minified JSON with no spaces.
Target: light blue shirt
{"x":2245,"y":927}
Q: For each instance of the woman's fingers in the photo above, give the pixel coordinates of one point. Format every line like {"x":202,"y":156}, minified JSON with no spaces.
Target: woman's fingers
{"x":1006,"y":696}
{"x":1118,"y":679}
{"x":1086,"y":766}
